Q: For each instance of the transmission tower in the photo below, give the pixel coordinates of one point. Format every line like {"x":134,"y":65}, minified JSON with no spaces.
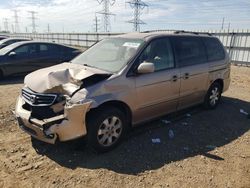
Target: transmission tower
{"x":16,"y":23}
{"x":138,"y":6}
{"x":96,"y":24}
{"x":6,"y":24}
{"x":33,"y":21}
{"x":106,"y":13}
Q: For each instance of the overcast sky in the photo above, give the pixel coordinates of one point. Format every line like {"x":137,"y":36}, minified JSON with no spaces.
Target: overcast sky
{"x":78,"y":15}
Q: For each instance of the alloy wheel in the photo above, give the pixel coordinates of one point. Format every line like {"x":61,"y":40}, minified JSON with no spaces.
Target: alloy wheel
{"x":109,"y":131}
{"x":214,"y":97}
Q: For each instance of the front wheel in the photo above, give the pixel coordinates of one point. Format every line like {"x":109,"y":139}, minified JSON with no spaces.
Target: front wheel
{"x":106,"y":128}
{"x":213,"y":96}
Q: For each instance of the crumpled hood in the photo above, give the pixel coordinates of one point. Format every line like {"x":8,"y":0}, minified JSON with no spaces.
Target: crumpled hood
{"x":64,"y":78}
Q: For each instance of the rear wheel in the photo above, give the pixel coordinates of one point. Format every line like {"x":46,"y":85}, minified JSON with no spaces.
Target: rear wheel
{"x":213,"y":96}
{"x":106,"y":128}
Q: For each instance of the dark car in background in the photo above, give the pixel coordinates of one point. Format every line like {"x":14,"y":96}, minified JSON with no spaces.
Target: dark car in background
{"x":9,"y":41}
{"x":24,"y":57}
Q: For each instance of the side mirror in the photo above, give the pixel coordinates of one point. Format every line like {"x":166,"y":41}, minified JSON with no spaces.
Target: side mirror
{"x":146,"y":67}
{"x":12,"y":54}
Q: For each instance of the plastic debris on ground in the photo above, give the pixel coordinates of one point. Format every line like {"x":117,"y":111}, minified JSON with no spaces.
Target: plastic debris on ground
{"x":243,"y":112}
{"x":184,"y":123}
{"x":188,"y":115}
{"x":171,"y":134}
{"x":156,"y":140}
{"x":165,"y":121}
{"x":186,"y":148}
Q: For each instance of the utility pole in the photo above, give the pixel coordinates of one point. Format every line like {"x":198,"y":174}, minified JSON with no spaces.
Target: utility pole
{"x":96,"y":24}
{"x":228,"y":28}
{"x":13,"y":29}
{"x":33,"y":21}
{"x":17,"y":29}
{"x":222,"y":25}
{"x":6,"y":24}
{"x":106,"y":13}
{"x":48,"y":28}
{"x":138,"y":6}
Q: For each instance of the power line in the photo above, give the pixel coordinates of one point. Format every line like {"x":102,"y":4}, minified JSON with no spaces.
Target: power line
{"x":222,"y":25}
{"x":16,"y":23}
{"x":33,"y":21}
{"x":6,"y":24}
{"x":13,"y":29}
{"x":106,"y":13}
{"x":138,"y":6}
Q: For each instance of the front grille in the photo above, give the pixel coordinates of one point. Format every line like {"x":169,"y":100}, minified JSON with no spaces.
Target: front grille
{"x":37,"y":99}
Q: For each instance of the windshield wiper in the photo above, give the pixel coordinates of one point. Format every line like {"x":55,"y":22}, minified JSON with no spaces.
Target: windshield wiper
{"x":87,"y":65}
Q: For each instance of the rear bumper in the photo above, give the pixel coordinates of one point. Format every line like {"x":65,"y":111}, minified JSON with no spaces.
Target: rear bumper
{"x":68,"y":126}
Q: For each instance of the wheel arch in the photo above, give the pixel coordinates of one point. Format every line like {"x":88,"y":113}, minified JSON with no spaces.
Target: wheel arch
{"x":219,"y":81}
{"x":117,"y":104}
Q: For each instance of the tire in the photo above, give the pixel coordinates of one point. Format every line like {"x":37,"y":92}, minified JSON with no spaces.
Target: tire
{"x":213,"y":96}
{"x":106,"y":128}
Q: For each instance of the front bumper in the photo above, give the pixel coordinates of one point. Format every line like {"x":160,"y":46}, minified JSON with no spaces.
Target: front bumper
{"x":67,"y":126}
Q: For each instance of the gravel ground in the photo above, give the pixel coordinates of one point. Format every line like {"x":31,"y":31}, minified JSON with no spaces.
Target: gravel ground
{"x":209,"y":149}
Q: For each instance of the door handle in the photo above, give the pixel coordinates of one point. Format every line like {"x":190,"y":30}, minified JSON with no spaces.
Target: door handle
{"x":174,"y":78}
{"x":186,"y":76}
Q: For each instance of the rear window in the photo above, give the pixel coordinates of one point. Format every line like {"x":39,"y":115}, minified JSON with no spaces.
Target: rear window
{"x":189,"y":51}
{"x":215,"y":50}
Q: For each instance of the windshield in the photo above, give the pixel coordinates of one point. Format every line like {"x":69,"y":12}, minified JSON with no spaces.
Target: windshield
{"x":109,"y":54}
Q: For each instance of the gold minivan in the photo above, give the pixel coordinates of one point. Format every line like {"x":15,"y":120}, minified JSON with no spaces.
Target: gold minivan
{"x":120,"y":82}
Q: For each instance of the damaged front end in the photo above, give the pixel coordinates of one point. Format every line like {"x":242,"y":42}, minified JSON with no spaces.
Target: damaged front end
{"x":49,"y":122}
{"x":50,"y":114}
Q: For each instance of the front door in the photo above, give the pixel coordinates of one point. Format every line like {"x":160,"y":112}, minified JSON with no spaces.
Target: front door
{"x":157,"y":92}
{"x":23,"y":61}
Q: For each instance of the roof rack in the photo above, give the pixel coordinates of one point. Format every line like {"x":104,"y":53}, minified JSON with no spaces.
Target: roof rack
{"x":191,"y":32}
{"x":178,"y":32}
{"x":163,"y":30}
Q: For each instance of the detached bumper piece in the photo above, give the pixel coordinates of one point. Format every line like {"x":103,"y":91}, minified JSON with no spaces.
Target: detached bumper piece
{"x":67,"y":126}
{"x":36,"y":131}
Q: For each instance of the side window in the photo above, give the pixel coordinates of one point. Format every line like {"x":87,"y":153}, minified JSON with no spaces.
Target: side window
{"x":59,"y":50}
{"x":54,"y":49}
{"x":44,"y":48}
{"x":189,"y":51}
{"x":22,"y":49}
{"x":26,"y":49}
{"x":9,"y":42}
{"x":48,"y":49}
{"x":215,"y":50}
{"x":160,"y":53}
